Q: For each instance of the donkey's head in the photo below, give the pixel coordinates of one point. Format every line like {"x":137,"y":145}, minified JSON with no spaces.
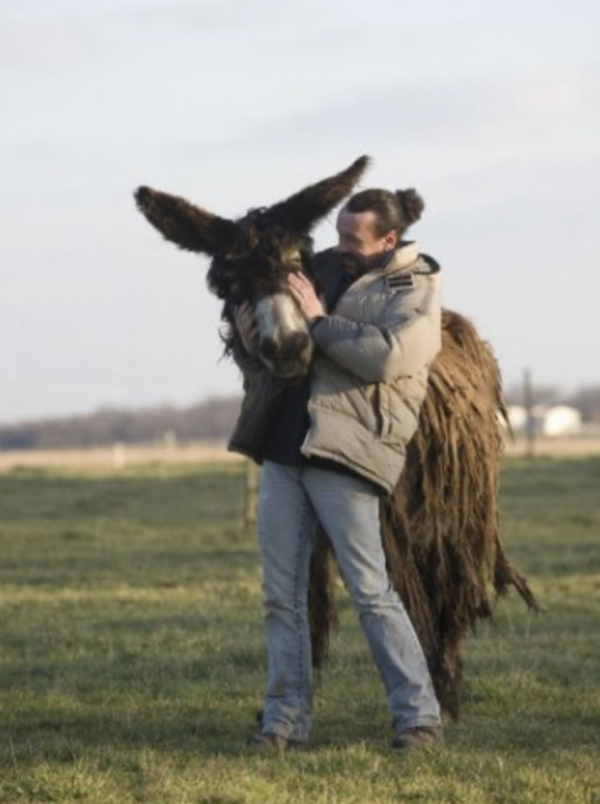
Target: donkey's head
{"x":252,"y":257}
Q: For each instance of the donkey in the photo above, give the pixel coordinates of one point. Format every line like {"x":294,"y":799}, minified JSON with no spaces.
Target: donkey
{"x":440,"y":527}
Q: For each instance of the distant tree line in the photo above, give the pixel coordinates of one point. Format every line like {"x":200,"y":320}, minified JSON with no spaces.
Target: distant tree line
{"x":212,"y":419}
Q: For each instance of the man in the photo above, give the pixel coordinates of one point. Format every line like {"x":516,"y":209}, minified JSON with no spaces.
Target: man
{"x":336,"y":443}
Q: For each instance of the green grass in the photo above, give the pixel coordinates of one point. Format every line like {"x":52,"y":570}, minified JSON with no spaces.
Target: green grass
{"x":131,"y":654}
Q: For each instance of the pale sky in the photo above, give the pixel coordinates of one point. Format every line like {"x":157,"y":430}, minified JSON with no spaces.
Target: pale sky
{"x":491,"y":110}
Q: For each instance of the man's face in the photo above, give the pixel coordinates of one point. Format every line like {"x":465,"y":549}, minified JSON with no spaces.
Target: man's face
{"x":358,"y":242}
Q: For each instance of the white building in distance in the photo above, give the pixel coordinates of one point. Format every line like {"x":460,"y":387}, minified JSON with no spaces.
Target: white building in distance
{"x":555,"y":421}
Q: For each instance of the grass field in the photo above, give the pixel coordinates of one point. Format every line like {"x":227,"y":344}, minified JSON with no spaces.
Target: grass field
{"x":131,"y":653}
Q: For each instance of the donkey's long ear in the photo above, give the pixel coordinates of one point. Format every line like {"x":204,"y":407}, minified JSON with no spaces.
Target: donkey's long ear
{"x":306,"y":208}
{"x":185,"y":225}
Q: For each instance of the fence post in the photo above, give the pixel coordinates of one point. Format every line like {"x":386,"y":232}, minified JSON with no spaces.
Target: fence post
{"x":119,"y":455}
{"x":529,"y":421}
{"x":250,"y":497}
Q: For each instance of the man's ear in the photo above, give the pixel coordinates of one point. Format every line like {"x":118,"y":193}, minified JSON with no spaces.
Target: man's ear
{"x":390,"y":241}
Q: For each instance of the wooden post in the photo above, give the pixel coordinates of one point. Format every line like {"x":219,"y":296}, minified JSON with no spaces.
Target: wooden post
{"x":250,"y":497}
{"x":118,"y":455}
{"x":529,"y":421}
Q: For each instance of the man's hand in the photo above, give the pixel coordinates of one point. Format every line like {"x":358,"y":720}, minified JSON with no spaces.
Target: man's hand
{"x":304,"y":293}
{"x":246,"y":326}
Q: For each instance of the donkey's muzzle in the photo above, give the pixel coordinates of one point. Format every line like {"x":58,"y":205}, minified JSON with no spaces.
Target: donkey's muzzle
{"x":288,"y":357}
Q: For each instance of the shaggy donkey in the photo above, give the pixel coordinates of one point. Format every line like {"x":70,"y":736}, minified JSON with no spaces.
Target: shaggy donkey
{"x":440,"y":527}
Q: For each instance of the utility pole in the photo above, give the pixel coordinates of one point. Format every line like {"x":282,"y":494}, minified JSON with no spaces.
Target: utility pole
{"x":529,"y":421}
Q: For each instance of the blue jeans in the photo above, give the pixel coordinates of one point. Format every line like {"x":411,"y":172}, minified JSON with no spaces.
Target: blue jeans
{"x":292,"y":501}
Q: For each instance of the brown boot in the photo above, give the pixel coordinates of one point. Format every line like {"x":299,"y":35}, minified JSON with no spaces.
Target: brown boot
{"x":418,"y":737}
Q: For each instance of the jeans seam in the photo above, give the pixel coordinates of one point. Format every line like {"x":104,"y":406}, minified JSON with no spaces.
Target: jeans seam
{"x":297,"y":613}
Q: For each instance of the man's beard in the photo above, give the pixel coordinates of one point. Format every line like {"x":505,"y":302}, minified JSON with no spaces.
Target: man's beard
{"x":357,"y":264}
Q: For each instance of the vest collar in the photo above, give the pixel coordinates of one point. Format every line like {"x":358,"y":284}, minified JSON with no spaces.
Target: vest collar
{"x":401,"y":258}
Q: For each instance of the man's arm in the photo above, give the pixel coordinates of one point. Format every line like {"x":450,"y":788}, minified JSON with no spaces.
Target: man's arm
{"x":402,"y":343}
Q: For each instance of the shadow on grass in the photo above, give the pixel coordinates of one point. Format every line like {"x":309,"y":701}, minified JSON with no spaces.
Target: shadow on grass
{"x":180,"y":733}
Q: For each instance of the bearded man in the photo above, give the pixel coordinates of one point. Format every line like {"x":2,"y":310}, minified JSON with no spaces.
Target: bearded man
{"x":332,"y":445}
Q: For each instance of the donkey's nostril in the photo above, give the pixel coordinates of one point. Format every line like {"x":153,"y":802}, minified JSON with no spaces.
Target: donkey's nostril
{"x":288,"y":358}
{"x":268,"y":348}
{"x":295,"y":345}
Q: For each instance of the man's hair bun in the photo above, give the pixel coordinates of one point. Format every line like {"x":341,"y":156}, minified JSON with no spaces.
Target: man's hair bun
{"x":393,"y":211}
{"x":411,"y":204}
